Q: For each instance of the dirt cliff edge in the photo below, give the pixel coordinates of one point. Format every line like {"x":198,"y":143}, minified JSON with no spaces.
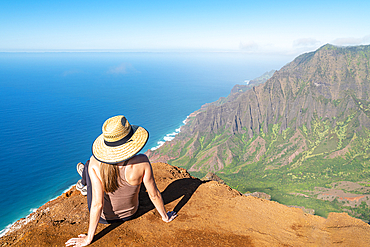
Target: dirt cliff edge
{"x":209,"y":214}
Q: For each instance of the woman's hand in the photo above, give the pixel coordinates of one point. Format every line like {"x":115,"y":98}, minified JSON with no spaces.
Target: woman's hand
{"x":170,"y":216}
{"x":80,"y":241}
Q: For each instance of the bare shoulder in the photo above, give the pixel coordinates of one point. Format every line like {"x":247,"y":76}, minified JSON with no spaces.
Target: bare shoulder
{"x":94,"y":164}
{"x":136,"y":168}
{"x":139,"y":164}
{"x":139,"y":159}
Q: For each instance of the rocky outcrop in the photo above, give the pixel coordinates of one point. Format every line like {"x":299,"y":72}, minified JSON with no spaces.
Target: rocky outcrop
{"x":210,"y":176}
{"x":209,"y":214}
{"x":261,"y":195}
{"x":306,"y":210}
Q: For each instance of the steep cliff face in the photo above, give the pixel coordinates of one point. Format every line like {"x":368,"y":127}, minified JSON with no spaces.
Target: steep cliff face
{"x":312,"y":115}
{"x":329,"y":85}
{"x":209,"y":214}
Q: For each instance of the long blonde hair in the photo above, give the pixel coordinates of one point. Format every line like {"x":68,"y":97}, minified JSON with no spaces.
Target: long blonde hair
{"x":110,"y":176}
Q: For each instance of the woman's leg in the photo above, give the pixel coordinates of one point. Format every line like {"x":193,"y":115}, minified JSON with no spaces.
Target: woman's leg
{"x":81,"y":184}
{"x":86,"y":181}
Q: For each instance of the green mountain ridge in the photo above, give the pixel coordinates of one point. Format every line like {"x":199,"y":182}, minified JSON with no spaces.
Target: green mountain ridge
{"x":302,"y":136}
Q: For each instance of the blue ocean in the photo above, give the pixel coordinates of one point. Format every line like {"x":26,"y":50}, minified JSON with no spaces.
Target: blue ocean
{"x":53,"y":104}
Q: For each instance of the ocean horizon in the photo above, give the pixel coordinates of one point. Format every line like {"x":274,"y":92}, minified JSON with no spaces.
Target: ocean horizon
{"x":53,"y":105}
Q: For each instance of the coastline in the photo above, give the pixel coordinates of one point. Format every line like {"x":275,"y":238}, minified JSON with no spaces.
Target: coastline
{"x":24,"y":220}
{"x":28,"y":218}
{"x":170,"y":136}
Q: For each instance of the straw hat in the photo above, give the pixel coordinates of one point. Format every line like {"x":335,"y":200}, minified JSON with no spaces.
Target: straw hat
{"x":119,"y":141}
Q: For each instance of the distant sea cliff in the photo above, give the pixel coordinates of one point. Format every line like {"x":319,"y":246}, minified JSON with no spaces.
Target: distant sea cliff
{"x":302,"y":136}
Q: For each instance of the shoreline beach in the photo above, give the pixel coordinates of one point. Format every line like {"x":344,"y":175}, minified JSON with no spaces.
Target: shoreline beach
{"x":168,"y":137}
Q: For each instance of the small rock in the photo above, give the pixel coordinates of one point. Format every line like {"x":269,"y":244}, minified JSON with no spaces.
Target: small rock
{"x":261,"y":195}
{"x":306,"y":210}
{"x":213,"y":177}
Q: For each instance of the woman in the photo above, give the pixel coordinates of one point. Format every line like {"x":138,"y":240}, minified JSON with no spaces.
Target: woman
{"x":113,"y":177}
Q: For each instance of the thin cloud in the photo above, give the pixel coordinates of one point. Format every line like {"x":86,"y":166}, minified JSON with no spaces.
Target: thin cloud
{"x":351,"y":40}
{"x":122,"y":69}
{"x":249,"y":46}
{"x":366,"y":39}
{"x":305,"y":42}
{"x":347,"y":41}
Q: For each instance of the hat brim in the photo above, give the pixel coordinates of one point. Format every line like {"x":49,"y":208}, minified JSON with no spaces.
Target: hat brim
{"x":115,"y":155}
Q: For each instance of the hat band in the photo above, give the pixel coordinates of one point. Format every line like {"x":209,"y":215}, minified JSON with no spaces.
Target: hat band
{"x":120,"y":142}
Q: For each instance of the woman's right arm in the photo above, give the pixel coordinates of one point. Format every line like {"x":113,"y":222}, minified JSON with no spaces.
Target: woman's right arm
{"x":95,"y":210}
{"x":96,"y":202}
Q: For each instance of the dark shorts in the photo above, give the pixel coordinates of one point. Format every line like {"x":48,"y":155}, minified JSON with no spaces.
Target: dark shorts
{"x":86,"y":181}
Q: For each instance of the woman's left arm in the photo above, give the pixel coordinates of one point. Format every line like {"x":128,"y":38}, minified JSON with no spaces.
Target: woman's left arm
{"x":95,"y":210}
{"x":154,"y":194}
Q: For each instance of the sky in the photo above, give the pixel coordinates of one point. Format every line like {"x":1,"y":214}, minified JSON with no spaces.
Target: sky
{"x":256,"y":27}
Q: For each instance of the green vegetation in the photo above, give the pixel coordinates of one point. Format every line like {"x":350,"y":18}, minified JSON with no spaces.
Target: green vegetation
{"x":261,"y":163}
{"x":308,"y":131}
{"x":266,"y":162}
